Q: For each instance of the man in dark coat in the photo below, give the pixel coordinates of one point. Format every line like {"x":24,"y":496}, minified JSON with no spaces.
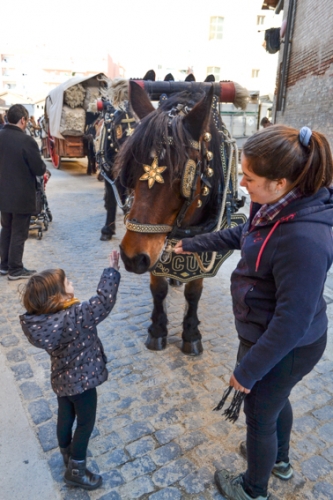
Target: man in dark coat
{"x":20,"y":163}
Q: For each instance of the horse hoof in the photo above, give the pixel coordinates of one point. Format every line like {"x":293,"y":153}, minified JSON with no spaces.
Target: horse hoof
{"x":156,"y":343}
{"x":106,"y":237}
{"x":192,"y":348}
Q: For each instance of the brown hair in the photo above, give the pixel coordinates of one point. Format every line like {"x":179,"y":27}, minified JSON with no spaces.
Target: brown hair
{"x":45,"y":292}
{"x":276,"y":153}
{"x":16,"y":112}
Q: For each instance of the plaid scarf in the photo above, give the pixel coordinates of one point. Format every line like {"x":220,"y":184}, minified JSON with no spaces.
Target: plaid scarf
{"x":267,"y":213}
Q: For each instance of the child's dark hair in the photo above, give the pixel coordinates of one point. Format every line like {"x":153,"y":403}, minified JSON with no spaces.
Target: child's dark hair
{"x":276,"y":152}
{"x":45,"y":292}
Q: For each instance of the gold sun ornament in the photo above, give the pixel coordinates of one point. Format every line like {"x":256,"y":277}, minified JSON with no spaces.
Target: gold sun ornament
{"x":153,"y":173}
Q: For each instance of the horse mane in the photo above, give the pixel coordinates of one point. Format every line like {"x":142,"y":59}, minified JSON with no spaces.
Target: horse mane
{"x":151,"y":134}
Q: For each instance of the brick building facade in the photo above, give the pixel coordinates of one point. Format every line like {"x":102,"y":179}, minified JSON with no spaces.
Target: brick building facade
{"x":304,"y":94}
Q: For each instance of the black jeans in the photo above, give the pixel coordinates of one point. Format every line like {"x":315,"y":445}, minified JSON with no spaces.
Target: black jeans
{"x":14,"y":233}
{"x":269,"y":415}
{"x":83,"y":407}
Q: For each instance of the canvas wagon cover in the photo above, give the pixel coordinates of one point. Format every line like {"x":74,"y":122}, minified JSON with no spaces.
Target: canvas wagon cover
{"x":55,"y":101}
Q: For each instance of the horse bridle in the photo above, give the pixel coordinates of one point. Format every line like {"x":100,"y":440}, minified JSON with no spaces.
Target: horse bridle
{"x":200,"y":169}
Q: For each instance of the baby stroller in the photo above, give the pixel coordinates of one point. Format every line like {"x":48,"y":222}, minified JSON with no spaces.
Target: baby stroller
{"x":40,"y":220}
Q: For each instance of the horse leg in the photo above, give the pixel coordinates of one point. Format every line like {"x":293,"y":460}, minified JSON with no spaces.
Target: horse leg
{"x":191,"y":334}
{"x":110,"y":205}
{"x":157,"y":331}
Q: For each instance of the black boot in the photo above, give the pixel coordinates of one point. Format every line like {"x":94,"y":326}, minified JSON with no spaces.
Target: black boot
{"x":77,"y":475}
{"x":174,"y":283}
{"x":66,"y":453}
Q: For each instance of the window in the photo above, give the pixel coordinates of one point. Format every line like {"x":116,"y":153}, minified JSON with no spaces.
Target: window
{"x":260,"y":20}
{"x":216,"y":28}
{"x":214,"y":70}
{"x":255,"y":73}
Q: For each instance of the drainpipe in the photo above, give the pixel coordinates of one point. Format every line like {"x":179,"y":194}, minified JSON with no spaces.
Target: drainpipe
{"x":282,"y":91}
{"x":279,"y":7}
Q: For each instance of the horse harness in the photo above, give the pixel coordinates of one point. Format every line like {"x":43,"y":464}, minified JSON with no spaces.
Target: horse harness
{"x":115,"y":133}
{"x":191,"y":172}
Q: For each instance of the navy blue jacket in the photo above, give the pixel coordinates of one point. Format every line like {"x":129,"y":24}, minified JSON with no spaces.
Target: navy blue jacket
{"x":70,"y":337}
{"x":277,"y":287}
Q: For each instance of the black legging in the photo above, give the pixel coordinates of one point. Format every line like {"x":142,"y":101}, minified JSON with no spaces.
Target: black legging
{"x":83,"y":407}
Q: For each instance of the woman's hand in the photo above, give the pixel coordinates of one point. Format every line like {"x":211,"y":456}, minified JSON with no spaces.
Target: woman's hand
{"x":114,"y":260}
{"x":178,"y":248}
{"x":236,"y":385}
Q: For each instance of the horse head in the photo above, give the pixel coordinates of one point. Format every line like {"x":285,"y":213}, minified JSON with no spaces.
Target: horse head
{"x":173,"y":164}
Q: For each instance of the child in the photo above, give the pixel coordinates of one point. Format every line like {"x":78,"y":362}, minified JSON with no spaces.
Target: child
{"x":66,"y":329}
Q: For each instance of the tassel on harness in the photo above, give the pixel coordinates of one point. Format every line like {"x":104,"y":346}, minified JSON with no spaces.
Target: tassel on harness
{"x":232,"y":412}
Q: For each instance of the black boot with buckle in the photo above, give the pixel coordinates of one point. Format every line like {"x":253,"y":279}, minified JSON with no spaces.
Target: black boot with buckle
{"x":66,"y":453}
{"x":77,"y":475}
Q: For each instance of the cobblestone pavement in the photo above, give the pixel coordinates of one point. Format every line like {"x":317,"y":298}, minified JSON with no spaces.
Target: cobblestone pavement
{"x":156,"y":435}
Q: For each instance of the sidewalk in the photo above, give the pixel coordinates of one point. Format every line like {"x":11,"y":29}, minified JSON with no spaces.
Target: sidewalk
{"x":156,"y":436}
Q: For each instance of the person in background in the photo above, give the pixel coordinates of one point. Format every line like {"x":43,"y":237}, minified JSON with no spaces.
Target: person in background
{"x":277,"y":292}
{"x":2,"y":122}
{"x":265,"y":122}
{"x":67,"y":329}
{"x":20,"y":163}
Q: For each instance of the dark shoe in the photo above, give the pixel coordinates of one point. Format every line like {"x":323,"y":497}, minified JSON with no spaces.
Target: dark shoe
{"x":175,"y":283}
{"x":66,"y":453}
{"x":106,"y":237}
{"x":282,"y":470}
{"x":21,"y":274}
{"x":77,"y":475}
{"x":3,"y":272}
{"x":232,"y":487}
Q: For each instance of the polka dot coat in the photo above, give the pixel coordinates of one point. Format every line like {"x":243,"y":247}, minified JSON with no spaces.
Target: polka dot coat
{"x":78,"y":362}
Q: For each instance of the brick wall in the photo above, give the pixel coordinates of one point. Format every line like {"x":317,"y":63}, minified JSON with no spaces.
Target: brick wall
{"x":309,"y":95}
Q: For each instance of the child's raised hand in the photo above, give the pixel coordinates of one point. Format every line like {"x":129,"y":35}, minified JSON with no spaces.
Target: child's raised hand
{"x":114,"y":259}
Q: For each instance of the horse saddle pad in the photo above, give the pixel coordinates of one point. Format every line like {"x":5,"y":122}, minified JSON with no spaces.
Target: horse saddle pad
{"x":185,"y":268}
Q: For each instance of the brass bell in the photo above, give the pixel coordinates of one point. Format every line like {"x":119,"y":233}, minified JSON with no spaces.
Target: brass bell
{"x":199,"y":204}
{"x":205,"y":191}
{"x":209,"y":155}
{"x":207,"y":137}
{"x":209,"y":172}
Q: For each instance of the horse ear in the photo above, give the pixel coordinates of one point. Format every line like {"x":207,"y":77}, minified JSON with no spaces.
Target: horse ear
{"x":197,"y":120}
{"x":210,"y":78}
{"x":169,"y":78}
{"x":190,"y":78}
{"x":150,"y":75}
{"x":139,"y":100}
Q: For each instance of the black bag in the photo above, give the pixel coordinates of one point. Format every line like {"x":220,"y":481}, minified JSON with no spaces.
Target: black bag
{"x":272,"y":39}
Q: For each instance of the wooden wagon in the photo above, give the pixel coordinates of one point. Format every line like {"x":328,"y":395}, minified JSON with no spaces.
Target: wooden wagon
{"x":57,"y":143}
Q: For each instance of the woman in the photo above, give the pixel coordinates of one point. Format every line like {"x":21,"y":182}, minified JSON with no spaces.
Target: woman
{"x":277,"y":291}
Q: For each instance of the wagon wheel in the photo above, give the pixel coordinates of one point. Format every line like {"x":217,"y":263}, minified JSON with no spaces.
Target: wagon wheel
{"x":40,"y":234}
{"x":52,"y":151}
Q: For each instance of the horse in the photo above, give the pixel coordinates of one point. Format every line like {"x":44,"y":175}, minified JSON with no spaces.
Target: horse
{"x":173,"y":164}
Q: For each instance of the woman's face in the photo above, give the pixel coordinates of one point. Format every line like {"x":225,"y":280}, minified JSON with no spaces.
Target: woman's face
{"x":69,"y":286}
{"x":261,"y":189}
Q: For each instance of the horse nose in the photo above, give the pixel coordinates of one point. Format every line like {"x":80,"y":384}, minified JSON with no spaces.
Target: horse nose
{"x":138,"y":264}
